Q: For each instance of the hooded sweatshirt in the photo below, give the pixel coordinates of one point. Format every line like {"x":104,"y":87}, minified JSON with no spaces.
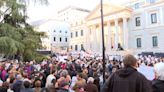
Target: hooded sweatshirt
{"x":127,"y":79}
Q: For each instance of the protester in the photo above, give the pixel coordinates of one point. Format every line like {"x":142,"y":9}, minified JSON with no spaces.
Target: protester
{"x":158,"y":83}
{"x":97,"y":83}
{"x":37,"y":86}
{"x":27,"y":87}
{"x":90,"y":87}
{"x":127,"y":79}
{"x":77,"y":71}
{"x":49,"y":79}
{"x":63,"y":86}
{"x":18,"y":84}
{"x":52,"y":87}
{"x":4,"y":87}
{"x":80,"y":81}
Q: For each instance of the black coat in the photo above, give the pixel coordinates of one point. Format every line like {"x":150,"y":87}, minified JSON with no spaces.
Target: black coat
{"x":17,"y":86}
{"x":127,"y":79}
{"x":2,"y":89}
{"x":158,"y":86}
{"x":62,"y":90}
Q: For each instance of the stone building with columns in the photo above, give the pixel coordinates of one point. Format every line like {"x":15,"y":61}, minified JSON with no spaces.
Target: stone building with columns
{"x":137,"y":26}
{"x":115,"y":27}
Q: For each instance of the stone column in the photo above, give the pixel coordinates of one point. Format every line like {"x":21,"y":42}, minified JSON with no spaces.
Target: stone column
{"x":100,"y":35}
{"x":91,"y":38}
{"x":116,"y":34}
{"x":87,"y":38}
{"x":125,"y":33}
{"x":94,"y":38}
{"x":108,"y":47}
{"x":161,"y":16}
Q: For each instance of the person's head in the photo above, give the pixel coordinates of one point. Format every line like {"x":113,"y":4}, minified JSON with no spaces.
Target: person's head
{"x":27,"y":84}
{"x":96,"y":80}
{"x":53,"y":72}
{"x":90,"y":80}
{"x":159,"y":71}
{"x":79,"y":76}
{"x":64,"y":73}
{"x":19,"y":77}
{"x":130,"y":60}
{"x":37,"y":83}
{"x":5,"y":85}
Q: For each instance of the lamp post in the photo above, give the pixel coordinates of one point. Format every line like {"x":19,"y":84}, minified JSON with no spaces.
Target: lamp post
{"x":103,"y":47}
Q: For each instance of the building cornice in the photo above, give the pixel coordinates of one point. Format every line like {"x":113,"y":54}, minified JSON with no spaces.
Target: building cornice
{"x":118,"y":10}
{"x":153,"y":4}
{"x":112,"y":13}
{"x":74,"y":8}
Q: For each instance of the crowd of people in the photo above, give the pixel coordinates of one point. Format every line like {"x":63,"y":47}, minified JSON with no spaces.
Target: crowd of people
{"x":68,"y":73}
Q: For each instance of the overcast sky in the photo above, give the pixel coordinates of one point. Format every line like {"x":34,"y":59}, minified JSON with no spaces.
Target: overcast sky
{"x":39,"y":12}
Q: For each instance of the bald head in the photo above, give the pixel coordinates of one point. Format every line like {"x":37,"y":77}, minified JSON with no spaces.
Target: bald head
{"x":129,"y":60}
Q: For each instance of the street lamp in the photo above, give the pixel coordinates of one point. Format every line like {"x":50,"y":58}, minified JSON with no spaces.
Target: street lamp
{"x":103,"y":47}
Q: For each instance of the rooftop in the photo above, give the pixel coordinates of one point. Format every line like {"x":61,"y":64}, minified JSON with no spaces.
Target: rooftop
{"x":74,"y":8}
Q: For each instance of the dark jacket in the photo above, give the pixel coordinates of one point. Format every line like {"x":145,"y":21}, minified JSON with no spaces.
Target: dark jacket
{"x":91,"y":88}
{"x":62,"y":90}
{"x":127,"y":79}
{"x":158,"y":86}
{"x":17,"y":86}
{"x":27,"y":90}
{"x":2,"y":89}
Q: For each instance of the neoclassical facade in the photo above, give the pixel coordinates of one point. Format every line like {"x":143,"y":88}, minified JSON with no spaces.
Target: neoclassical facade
{"x":116,"y":28}
{"x":136,"y":26}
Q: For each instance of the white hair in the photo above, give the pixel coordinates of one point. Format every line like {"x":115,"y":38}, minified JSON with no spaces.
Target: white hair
{"x":90,"y":80}
{"x":63,"y":73}
{"x":159,"y":70}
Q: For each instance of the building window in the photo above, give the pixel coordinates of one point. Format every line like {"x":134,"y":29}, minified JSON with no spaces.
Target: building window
{"x":138,"y":42}
{"x":76,"y":34}
{"x":66,"y":31}
{"x":71,"y":47}
{"x":136,"y":5}
{"x":60,"y":39}
{"x":76,"y":48}
{"x":152,"y":1}
{"x":71,"y":34}
{"x":60,"y":31}
{"x":54,"y":30}
{"x":82,"y":47}
{"x":65,"y":39}
{"x":138,"y":21}
{"x":81,"y":32}
{"x":54,"y":39}
{"x":154,"y":18}
{"x":155,"y":41}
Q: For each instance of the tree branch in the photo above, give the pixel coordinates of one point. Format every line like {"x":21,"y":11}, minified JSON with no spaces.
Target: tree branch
{"x":4,"y":14}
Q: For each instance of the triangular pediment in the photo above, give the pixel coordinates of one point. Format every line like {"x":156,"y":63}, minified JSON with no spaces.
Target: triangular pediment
{"x":108,"y":8}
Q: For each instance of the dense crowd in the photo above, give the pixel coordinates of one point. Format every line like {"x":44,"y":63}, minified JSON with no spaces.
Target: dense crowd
{"x":68,"y":73}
